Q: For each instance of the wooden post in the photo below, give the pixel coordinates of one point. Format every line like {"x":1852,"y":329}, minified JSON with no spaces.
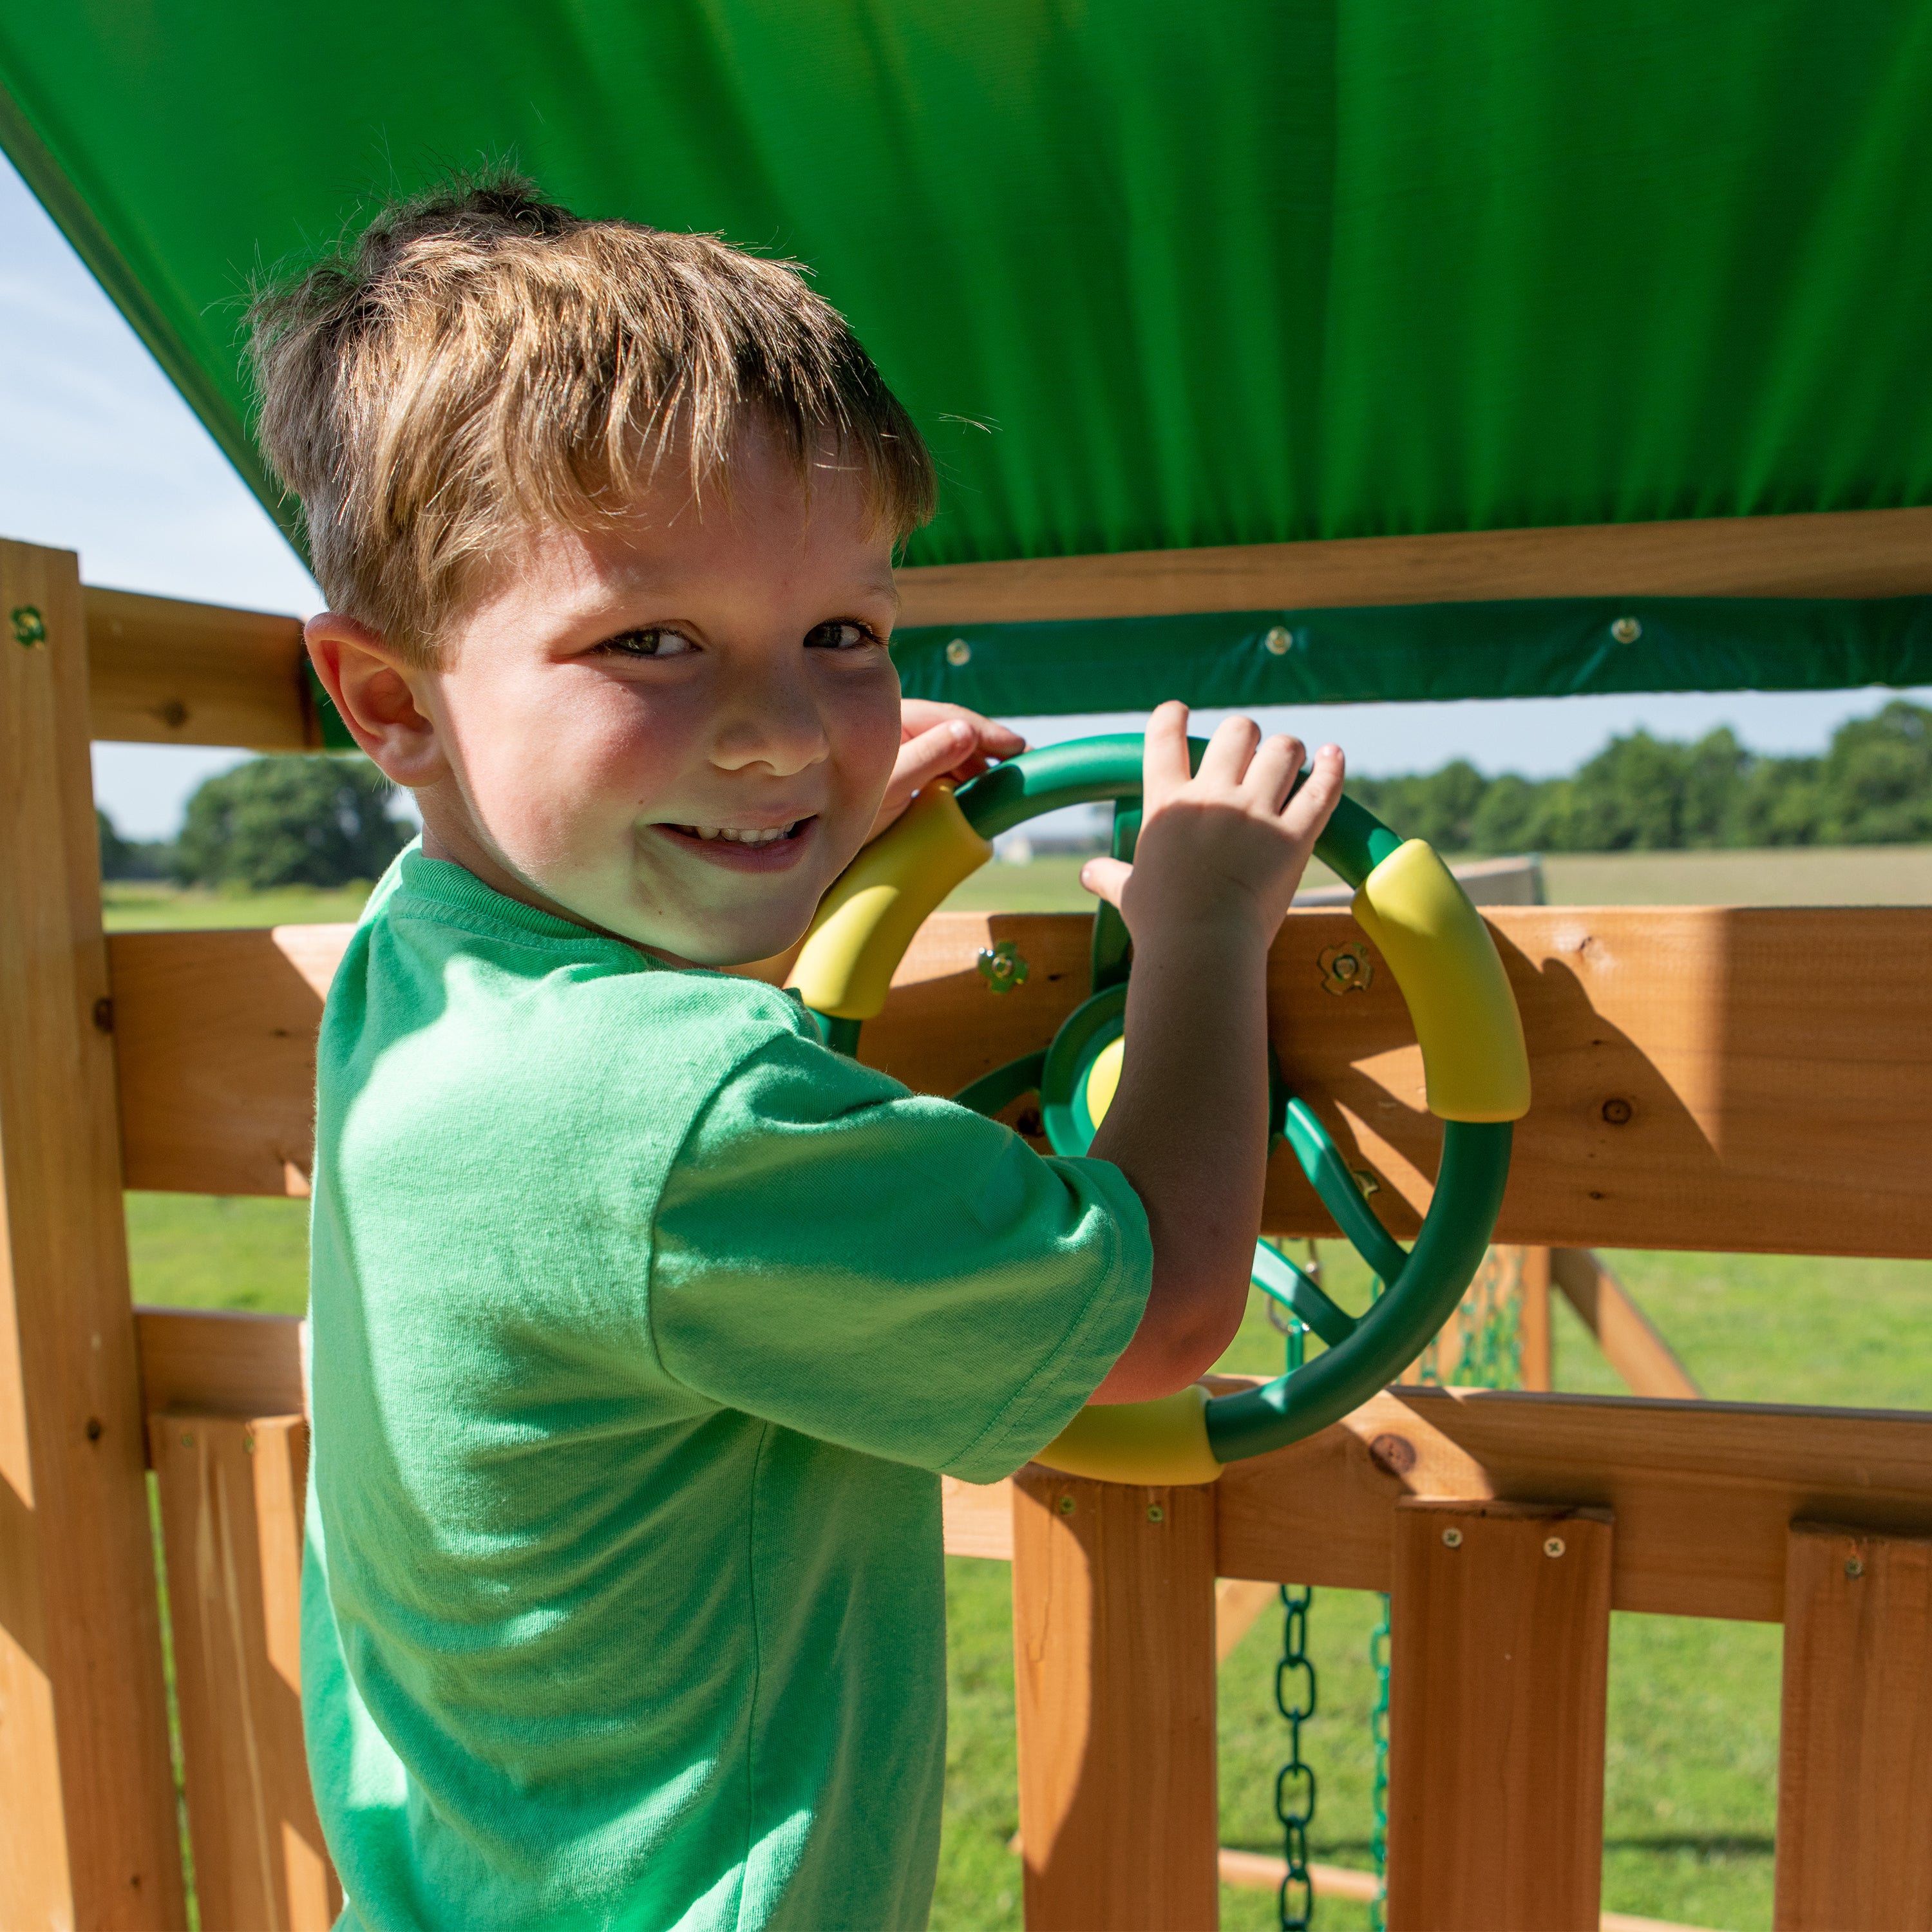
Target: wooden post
{"x":1855,"y":1751}
{"x":87,"y":1824}
{"x":1114,"y":1656}
{"x":1499,"y":1652}
{"x":232,"y":1494}
{"x":1538,"y":1362}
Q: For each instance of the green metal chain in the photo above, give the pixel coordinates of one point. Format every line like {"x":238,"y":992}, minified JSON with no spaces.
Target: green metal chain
{"x":1379,"y":1658}
{"x":1294,"y":1691}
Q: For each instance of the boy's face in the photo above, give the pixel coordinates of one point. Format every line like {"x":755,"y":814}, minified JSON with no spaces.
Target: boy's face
{"x":678,"y":729}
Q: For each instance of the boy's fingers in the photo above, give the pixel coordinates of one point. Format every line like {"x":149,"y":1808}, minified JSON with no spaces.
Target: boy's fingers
{"x":1106,"y":878}
{"x":1310,"y":807}
{"x":1271,"y":777}
{"x":931,"y":755}
{"x":1164,"y":756}
{"x":1230,"y":751}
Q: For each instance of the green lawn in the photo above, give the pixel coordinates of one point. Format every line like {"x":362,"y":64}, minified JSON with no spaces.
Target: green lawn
{"x":1692,"y":1760}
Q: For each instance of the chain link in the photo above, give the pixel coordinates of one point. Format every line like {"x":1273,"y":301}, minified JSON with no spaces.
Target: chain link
{"x":1294,"y":1786}
{"x":1378,"y":1659}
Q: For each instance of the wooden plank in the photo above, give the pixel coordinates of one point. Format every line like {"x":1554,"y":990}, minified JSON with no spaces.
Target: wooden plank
{"x":87,"y":1827}
{"x":215,"y":1033}
{"x":231,"y":1493}
{"x":1499,"y":1652}
{"x":1705,"y":1079}
{"x":1537,"y":1363}
{"x":1630,"y":1343}
{"x":164,"y":672}
{"x":215,"y":1362}
{"x":1855,"y":1744}
{"x":1844,"y":553}
{"x":1114,"y":1682}
{"x":1702,"y":1493}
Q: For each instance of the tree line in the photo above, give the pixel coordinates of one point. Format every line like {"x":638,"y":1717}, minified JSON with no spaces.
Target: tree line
{"x":325,"y":821}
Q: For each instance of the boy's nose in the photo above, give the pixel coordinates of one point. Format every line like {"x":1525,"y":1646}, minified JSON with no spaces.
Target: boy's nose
{"x":772,"y":724}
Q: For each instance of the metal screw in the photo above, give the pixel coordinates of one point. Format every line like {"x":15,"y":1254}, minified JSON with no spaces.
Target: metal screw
{"x":958,"y":651}
{"x":1855,"y":1569}
{"x":1452,"y":1539}
{"x":1156,"y":1513}
{"x":30,"y":628}
{"x":1552,"y":1546}
{"x":1626,"y":630}
{"x":1066,"y":1505}
{"x":1278,"y":643}
{"x":94,"y":1431}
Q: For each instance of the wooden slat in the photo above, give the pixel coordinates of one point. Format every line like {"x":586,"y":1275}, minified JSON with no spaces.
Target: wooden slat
{"x":164,"y":672}
{"x":87,"y":1824}
{"x":1630,"y":1343}
{"x":1114,"y":1681}
{"x":1537,"y":1362}
{"x":1702,"y":1493}
{"x":1847,"y":554}
{"x":215,"y":1362}
{"x":231,"y":1493}
{"x":1704,"y":1078}
{"x":1856,"y":1743}
{"x":1499,"y":1646}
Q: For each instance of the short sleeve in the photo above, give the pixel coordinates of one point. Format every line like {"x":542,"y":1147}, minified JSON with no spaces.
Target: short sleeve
{"x":888,"y":1271}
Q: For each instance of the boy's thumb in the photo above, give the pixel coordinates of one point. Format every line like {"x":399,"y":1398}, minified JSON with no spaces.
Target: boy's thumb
{"x":1107,"y":878}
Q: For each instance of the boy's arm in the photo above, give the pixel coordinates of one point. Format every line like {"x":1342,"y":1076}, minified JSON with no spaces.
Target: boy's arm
{"x":1218,"y":859}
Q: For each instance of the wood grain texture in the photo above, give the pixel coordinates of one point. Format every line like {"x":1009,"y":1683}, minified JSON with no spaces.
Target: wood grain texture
{"x":231,"y":1493}
{"x":1630,"y":1342}
{"x":1499,"y":1643}
{"x":216,"y":1362}
{"x":1114,"y":1683}
{"x":1856,"y":1737}
{"x":1536,"y":1358}
{"x":1703,"y":1492}
{"x":162,"y":671}
{"x":1704,"y":1078}
{"x":87,"y":1824}
{"x":1845,"y":553}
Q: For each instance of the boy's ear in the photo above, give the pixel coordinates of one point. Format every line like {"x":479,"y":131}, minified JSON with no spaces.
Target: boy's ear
{"x":379,"y":696}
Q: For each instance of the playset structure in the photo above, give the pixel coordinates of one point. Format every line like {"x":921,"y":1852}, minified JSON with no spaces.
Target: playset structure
{"x":1313,"y":351}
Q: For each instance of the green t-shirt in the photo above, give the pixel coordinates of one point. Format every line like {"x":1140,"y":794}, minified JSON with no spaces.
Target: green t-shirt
{"x":642,"y":1324}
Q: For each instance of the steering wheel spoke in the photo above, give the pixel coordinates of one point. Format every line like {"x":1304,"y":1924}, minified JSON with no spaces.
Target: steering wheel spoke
{"x":1280,"y":1280}
{"x":993,"y":1093}
{"x":1328,"y":1174}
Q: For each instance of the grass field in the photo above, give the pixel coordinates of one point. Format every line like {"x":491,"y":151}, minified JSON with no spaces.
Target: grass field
{"x":1693,"y":1736}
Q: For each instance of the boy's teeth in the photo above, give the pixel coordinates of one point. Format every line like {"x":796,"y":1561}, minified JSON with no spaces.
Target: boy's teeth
{"x":769,"y":836}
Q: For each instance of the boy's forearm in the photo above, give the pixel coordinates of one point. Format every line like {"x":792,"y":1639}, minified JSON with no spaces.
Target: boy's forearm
{"x":1188,"y":1128}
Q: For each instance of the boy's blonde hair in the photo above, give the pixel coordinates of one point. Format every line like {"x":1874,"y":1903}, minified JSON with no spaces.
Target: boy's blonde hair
{"x":482,"y":361}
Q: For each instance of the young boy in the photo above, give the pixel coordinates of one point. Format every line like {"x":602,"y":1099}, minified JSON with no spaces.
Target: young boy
{"x":643,"y":1325}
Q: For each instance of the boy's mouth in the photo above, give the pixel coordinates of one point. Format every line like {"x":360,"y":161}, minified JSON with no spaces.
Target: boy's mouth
{"x":746,"y":847}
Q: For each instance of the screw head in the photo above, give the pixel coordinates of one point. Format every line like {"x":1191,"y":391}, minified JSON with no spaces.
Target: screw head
{"x":1553,"y":1546}
{"x":1626,"y":630}
{"x":1278,"y":643}
{"x":959,"y":651}
{"x":1156,"y":1513}
{"x":1452,"y":1539}
{"x":1066,"y":1505}
{"x":1617,"y":1111}
{"x":1855,"y":1569}
{"x":187,"y":1442}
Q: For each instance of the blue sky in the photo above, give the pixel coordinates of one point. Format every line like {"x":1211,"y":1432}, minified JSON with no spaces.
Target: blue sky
{"x":104,"y":458}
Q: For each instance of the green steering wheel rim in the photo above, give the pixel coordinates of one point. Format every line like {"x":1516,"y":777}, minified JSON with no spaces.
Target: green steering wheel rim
{"x":1421,"y":1287}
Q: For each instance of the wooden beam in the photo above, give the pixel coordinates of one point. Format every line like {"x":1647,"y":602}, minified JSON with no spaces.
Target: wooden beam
{"x":1537,"y":1356}
{"x":1856,"y":1737}
{"x":216,"y":1362}
{"x":1704,"y":1078}
{"x":1843,"y":553}
{"x":164,"y":672}
{"x":87,"y":1827}
{"x":1500,"y":1648}
{"x":1630,"y":1343}
{"x":231,"y":1495}
{"x":1114,"y":1683}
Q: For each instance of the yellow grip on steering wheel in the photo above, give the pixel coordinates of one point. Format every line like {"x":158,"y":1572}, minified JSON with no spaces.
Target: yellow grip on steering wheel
{"x":880,"y":900}
{"x":1474,"y":1058}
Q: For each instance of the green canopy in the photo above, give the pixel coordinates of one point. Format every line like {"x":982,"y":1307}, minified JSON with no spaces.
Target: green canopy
{"x":1155,"y":274}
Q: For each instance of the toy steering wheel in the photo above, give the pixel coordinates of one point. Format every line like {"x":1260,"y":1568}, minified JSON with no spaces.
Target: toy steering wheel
{"x":1465,"y":1019}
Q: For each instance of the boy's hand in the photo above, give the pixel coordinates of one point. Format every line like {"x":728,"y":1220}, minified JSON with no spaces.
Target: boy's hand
{"x":1221,"y":851}
{"x":940,"y":741}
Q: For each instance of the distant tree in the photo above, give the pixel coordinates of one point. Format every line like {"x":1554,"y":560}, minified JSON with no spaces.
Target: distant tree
{"x":127,"y":858}
{"x":293,"y":821}
{"x":1877,"y":779}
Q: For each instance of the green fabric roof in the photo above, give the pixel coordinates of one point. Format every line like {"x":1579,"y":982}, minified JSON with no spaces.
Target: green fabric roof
{"x":1150,"y":275}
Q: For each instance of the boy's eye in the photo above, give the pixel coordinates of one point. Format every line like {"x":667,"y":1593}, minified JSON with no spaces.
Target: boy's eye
{"x":649,"y":643}
{"x":843,"y":634}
